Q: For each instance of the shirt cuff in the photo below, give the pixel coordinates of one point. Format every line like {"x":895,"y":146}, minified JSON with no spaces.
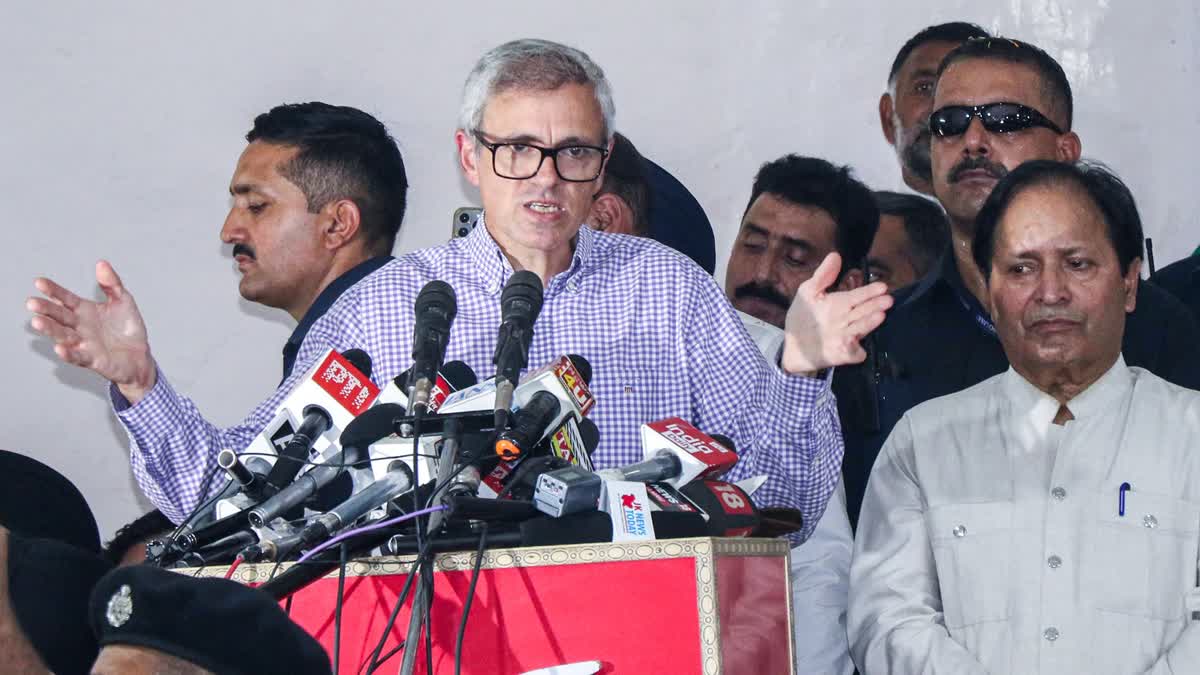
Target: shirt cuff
{"x":158,"y":403}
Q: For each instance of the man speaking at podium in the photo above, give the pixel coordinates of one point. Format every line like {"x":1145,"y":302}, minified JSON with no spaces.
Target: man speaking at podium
{"x":535,"y":128}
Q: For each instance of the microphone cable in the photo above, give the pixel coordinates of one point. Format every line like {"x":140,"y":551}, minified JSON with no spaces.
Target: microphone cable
{"x":462,"y":626}
{"x":337,"y":610}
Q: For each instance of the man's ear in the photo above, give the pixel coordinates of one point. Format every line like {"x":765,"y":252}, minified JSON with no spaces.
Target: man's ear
{"x":852,"y":279}
{"x":467,"y":156}
{"x":611,"y":214}
{"x":886,"y":110}
{"x":1069,"y":147}
{"x":341,"y":223}
{"x":1133,"y":276}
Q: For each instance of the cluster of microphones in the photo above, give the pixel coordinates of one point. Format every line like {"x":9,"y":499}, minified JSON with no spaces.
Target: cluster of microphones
{"x":435,"y":454}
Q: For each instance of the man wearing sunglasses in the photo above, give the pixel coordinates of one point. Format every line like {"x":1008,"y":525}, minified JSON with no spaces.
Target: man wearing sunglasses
{"x":997,"y":103}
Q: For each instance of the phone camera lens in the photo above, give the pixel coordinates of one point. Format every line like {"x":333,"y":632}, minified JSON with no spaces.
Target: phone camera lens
{"x":464,"y":218}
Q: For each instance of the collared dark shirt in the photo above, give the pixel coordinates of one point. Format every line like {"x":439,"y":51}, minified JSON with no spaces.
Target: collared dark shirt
{"x":324,"y":301}
{"x":938,"y":340}
{"x":1182,"y":279}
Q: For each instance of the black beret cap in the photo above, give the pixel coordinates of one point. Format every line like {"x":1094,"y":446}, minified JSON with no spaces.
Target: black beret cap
{"x":216,"y":624}
{"x":48,"y":587}
{"x":38,"y":501}
{"x":677,"y":219}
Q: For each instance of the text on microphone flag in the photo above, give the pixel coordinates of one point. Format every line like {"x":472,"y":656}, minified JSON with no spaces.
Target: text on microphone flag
{"x":688,"y":437}
{"x":573,"y":382}
{"x":342,"y":381}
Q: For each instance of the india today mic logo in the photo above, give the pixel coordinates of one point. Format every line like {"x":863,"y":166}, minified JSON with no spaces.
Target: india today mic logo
{"x":343,"y":382}
{"x":573,"y":382}
{"x":688,"y":437}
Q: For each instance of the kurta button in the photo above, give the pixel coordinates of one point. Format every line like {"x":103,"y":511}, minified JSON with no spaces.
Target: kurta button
{"x":1050,"y":634}
{"x":1054,"y":562}
{"x":960,"y":531}
{"x":1150,"y":521}
{"x":1059,"y":493}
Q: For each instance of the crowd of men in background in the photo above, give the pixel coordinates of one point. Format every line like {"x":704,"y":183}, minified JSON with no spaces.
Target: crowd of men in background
{"x":1015,"y":390}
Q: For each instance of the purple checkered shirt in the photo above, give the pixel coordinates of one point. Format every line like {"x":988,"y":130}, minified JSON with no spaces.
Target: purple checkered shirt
{"x":661,"y":337}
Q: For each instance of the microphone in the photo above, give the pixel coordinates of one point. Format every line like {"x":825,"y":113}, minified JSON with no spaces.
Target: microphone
{"x":570,"y":445}
{"x":328,"y":397}
{"x":252,"y":483}
{"x":728,"y":508}
{"x":222,"y":550}
{"x":677,"y":453}
{"x":435,"y":310}
{"x":699,"y":455}
{"x":529,"y":425}
{"x":520,"y":304}
{"x":563,"y":381}
{"x":397,"y":481}
{"x":270,"y":549}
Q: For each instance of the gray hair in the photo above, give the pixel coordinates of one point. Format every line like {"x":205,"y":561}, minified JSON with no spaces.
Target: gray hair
{"x":536,"y":65}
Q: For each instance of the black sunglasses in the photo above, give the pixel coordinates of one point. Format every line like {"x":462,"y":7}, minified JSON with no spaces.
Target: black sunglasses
{"x":998,"y":118}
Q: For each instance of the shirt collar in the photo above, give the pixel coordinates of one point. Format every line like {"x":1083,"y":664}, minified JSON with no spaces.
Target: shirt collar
{"x":1039,"y":408}
{"x":493,"y":268}
{"x":327,"y":297}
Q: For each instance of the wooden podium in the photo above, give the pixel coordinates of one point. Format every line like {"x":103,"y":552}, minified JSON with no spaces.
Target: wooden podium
{"x":673,"y":606}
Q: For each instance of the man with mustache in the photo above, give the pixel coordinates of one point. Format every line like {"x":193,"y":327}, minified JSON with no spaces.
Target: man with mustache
{"x":800,"y":210}
{"x":997,"y":103}
{"x":317,"y":199}
{"x":1047,"y":519}
{"x":904,"y":108}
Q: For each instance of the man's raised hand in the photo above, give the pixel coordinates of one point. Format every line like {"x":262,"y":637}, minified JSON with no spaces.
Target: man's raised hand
{"x":108,"y":337}
{"x":823,"y":327}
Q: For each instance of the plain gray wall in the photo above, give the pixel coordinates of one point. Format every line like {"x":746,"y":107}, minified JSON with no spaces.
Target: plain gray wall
{"x":122,"y":122}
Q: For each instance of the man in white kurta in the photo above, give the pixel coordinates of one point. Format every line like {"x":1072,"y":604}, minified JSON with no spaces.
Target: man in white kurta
{"x":1021,"y":526}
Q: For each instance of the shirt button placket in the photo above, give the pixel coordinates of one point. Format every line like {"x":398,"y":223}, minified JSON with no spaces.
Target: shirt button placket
{"x":1057,"y":579}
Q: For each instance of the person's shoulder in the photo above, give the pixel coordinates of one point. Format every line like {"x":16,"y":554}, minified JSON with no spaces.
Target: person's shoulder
{"x":957,"y":405}
{"x":629,"y":247}
{"x":1180,"y":275}
{"x":647,"y":260}
{"x":1154,"y":298}
{"x":1166,"y":399}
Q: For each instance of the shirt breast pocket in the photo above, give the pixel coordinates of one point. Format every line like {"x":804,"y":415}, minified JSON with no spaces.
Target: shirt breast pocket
{"x":1142,"y":563}
{"x":972,"y":553}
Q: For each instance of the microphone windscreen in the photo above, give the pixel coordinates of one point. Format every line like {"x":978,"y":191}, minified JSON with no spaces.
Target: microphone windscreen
{"x":437,"y":295}
{"x":590,"y":434}
{"x":359,"y":359}
{"x":724,"y":440}
{"x":521,"y":298}
{"x":459,"y":375}
{"x":581,"y":364}
{"x":373,"y":424}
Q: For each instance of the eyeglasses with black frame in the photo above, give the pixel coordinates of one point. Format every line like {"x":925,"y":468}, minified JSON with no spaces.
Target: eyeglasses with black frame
{"x":998,"y":118}
{"x":518,"y":161}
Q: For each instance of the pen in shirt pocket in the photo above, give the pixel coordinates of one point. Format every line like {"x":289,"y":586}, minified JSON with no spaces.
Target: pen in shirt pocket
{"x":1125,"y":487}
